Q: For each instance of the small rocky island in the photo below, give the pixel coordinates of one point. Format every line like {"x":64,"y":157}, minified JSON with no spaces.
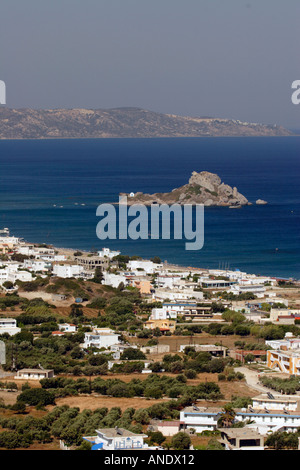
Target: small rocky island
{"x":203,"y":188}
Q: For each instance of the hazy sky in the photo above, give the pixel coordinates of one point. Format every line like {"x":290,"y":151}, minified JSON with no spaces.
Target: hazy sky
{"x":225,"y":58}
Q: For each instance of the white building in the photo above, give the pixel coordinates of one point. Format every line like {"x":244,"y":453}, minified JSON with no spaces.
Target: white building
{"x":106,"y":252}
{"x":67,"y":271}
{"x":10,"y":241}
{"x":289,"y":342}
{"x":177,"y":295}
{"x":276,"y":402}
{"x":159,"y":314}
{"x":256,"y":289}
{"x":37,"y":265}
{"x":170,"y":281}
{"x":117,"y":439}
{"x":114,"y":280}
{"x":9,"y":325}
{"x":146,"y":368}
{"x":27,"y":250}
{"x":12,"y":273}
{"x":148,"y":266}
{"x":178,"y":308}
{"x":202,"y":419}
{"x":67,"y":327}
{"x":209,"y":283}
{"x":34,"y":374}
{"x":100,"y":338}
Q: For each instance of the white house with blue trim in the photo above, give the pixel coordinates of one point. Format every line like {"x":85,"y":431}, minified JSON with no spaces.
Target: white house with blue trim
{"x":117,"y":439}
{"x":263,"y":420}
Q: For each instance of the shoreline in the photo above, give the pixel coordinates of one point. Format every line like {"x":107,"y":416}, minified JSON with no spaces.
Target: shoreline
{"x":149,"y":138}
{"x":70,"y":252}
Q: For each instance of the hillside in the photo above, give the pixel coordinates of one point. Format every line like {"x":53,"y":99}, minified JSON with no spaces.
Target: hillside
{"x":120,"y":122}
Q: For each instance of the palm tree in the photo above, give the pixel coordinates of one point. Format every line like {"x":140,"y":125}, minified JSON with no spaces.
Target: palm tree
{"x":227,"y":417}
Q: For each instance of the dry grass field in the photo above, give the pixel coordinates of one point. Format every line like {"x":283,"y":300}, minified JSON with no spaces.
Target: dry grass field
{"x":203,"y":338}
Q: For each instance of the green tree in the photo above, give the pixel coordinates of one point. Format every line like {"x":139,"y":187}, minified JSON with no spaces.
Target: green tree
{"x":36,"y":396}
{"x":181,"y":441}
{"x":156,"y":437}
{"x":227,"y":417}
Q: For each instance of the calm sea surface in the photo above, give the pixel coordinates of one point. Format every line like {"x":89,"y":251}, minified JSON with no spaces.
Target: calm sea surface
{"x":50,"y":189}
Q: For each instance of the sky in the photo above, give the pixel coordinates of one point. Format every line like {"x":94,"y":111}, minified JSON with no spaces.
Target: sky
{"x":233,"y":59}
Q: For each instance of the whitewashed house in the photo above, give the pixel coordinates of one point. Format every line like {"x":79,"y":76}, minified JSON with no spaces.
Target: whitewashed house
{"x":34,"y":374}
{"x":114,"y":280}
{"x":67,"y":328}
{"x":176,"y":295}
{"x":9,"y":325}
{"x":206,"y":418}
{"x":256,"y":289}
{"x":148,"y":266}
{"x":117,"y":439}
{"x":100,"y":338}
{"x":106,"y":252}
{"x":67,"y":271}
{"x":12,"y":273}
{"x":37,"y":265}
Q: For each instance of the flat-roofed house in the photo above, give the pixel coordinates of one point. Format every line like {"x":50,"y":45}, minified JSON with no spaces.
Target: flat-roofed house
{"x":241,"y":439}
{"x":284,"y":361}
{"x":163,"y":325}
{"x":34,"y":374}
{"x":9,"y":325}
{"x":271,"y":401}
{"x":67,"y":327}
{"x":117,"y":439}
{"x":100,"y":338}
{"x":266,"y":420}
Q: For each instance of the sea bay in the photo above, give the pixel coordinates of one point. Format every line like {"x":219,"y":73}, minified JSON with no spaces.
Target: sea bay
{"x":50,"y":190}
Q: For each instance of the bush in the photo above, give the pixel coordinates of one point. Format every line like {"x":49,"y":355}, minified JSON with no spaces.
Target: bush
{"x":156,"y":437}
{"x":190,"y":374}
{"x":181,"y":441}
{"x":36,"y":396}
{"x":153,"y":392}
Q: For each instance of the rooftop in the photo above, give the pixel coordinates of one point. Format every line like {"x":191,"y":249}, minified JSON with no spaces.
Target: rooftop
{"x":117,"y":432}
{"x":240,"y":411}
{"x":240,"y":433}
{"x":34,"y":371}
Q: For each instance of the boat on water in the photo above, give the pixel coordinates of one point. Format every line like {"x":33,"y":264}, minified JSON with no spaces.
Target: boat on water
{"x":237,"y":206}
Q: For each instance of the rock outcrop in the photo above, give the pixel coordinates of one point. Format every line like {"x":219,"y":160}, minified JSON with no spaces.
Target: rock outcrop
{"x":203,"y":188}
{"x":261,"y":202}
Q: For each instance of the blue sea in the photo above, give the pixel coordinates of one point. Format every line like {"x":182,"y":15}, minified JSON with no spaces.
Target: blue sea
{"x":50,"y":190}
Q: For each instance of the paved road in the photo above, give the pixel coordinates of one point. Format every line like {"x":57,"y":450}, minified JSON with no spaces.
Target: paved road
{"x":252,"y":379}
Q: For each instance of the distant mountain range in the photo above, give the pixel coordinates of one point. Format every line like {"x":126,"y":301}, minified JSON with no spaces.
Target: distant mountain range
{"x":121,"y":122}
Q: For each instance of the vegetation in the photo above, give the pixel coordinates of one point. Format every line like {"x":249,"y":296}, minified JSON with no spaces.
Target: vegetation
{"x":154,"y":386}
{"x":286,"y":386}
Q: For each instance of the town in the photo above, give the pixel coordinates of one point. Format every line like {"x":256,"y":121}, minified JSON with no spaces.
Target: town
{"x":105,"y":351}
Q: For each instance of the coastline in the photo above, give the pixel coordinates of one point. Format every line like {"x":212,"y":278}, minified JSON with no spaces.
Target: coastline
{"x":181,"y":267}
{"x":151,"y":138}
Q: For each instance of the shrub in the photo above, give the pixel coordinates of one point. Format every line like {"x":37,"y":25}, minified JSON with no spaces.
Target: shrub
{"x":36,"y":396}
